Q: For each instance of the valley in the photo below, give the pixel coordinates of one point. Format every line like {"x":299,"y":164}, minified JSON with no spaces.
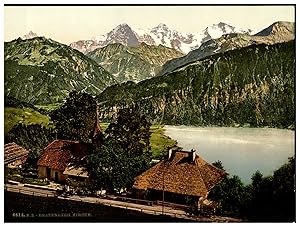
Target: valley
{"x":236,"y":80}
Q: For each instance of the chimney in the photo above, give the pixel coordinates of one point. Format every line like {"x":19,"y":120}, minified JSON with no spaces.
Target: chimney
{"x":170,"y":153}
{"x":193,"y":151}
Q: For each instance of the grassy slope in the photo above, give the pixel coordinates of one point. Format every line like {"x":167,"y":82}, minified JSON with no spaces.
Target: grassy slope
{"x":49,"y":107}
{"x":13,"y":116}
{"x":159,"y":142}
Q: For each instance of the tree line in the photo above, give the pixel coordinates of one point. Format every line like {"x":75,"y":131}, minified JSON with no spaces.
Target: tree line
{"x":266,"y":199}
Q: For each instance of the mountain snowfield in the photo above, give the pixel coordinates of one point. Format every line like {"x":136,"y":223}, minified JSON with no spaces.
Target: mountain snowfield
{"x":159,"y":35}
{"x":281,"y":31}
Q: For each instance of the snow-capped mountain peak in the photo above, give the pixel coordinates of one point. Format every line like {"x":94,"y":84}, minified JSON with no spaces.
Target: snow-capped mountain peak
{"x":121,"y":27}
{"x":99,"y":38}
{"x":217,"y":30}
{"x":161,"y":28}
{"x":122,"y":34}
{"x":162,"y":34}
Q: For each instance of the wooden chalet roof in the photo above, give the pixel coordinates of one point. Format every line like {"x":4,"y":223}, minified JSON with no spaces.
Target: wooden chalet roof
{"x":60,"y":153}
{"x":14,"y":152}
{"x":180,"y":174}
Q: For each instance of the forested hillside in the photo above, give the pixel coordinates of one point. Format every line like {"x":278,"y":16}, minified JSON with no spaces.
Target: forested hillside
{"x":43,"y":71}
{"x":250,"y":86}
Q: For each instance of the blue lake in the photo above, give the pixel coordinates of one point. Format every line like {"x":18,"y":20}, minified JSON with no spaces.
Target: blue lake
{"x":241,"y":150}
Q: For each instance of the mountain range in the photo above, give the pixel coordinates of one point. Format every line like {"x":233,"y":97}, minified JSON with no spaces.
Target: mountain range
{"x":41,"y":71}
{"x":253,"y":86}
{"x":159,"y":35}
{"x":276,"y":33}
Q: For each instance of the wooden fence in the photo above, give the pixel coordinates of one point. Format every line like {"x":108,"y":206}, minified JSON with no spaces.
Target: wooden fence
{"x":29,"y":192}
{"x":127,"y":206}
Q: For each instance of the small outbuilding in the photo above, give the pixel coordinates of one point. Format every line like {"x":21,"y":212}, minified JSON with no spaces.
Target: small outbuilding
{"x":183,"y":178}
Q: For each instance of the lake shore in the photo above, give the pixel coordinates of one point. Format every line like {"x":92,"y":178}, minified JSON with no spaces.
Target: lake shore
{"x":241,"y":150}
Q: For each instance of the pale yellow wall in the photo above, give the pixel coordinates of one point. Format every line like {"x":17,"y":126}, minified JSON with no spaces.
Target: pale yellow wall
{"x":42,"y":173}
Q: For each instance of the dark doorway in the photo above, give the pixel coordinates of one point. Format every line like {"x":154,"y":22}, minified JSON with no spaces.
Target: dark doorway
{"x":56,"y":176}
{"x":48,"y":173}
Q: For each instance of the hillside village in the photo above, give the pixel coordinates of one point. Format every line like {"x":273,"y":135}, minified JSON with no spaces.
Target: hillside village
{"x":63,"y":165}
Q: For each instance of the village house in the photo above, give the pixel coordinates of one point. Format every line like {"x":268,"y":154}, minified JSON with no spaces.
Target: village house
{"x":14,"y":155}
{"x":183,"y":178}
{"x":63,"y":159}
{"x":59,"y":156}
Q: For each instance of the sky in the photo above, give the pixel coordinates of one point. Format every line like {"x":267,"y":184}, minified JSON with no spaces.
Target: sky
{"x":67,"y":24}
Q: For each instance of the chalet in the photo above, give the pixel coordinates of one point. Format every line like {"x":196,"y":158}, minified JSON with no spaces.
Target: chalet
{"x":58,"y":157}
{"x":64,"y":159}
{"x":14,"y":155}
{"x":183,"y":178}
